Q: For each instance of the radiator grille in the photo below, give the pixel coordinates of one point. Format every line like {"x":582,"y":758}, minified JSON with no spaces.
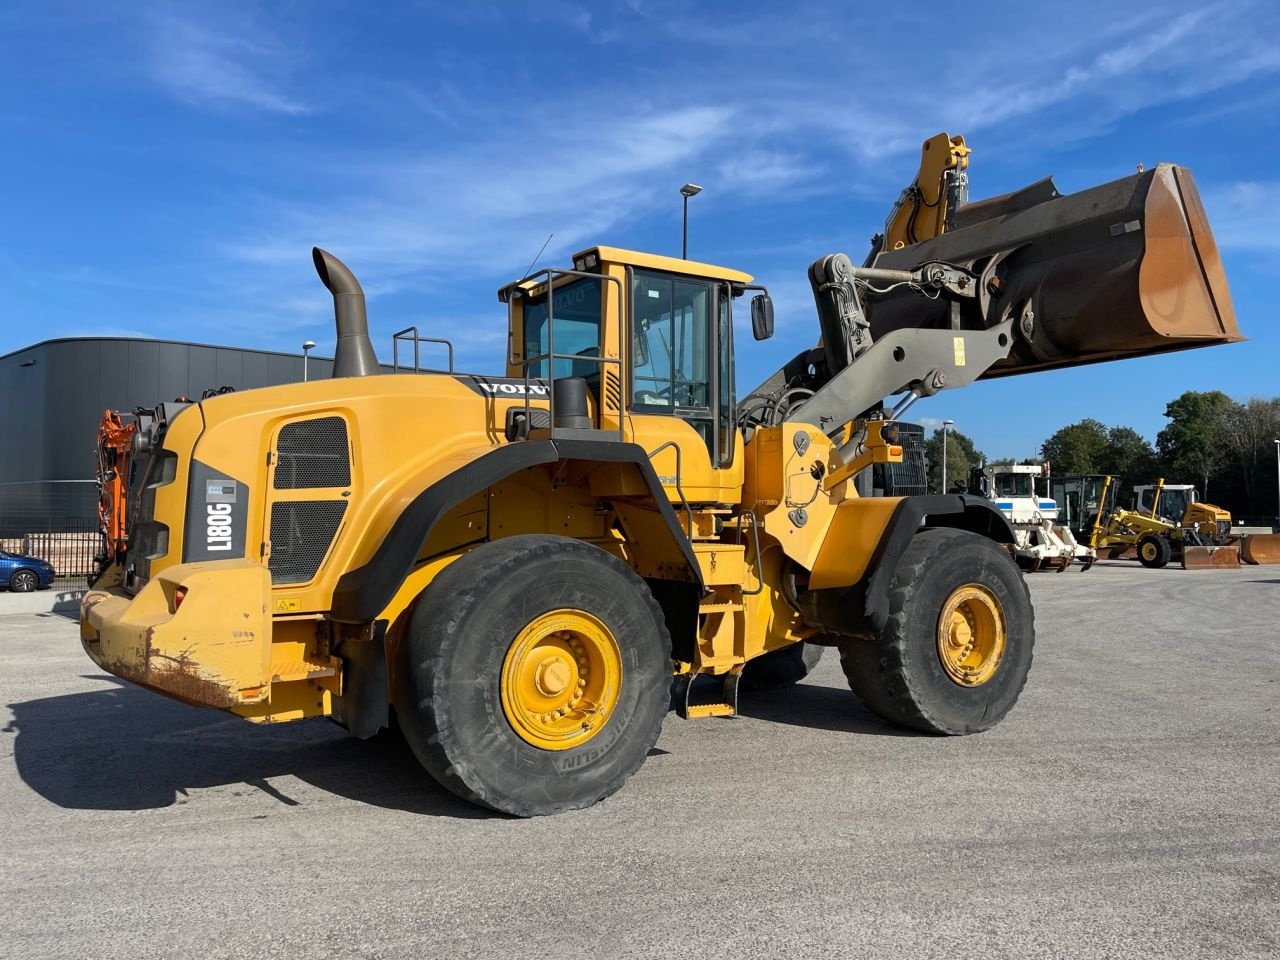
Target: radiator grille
{"x":301,"y":531}
{"x":313,"y":453}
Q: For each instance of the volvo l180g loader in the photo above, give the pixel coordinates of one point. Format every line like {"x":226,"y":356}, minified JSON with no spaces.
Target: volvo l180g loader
{"x":514,"y":567}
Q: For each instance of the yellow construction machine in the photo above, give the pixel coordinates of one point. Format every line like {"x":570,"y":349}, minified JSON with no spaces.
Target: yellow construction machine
{"x":1169,"y":523}
{"x":514,"y":567}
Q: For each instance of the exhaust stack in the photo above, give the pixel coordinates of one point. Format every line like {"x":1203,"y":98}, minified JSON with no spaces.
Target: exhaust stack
{"x":353,"y":356}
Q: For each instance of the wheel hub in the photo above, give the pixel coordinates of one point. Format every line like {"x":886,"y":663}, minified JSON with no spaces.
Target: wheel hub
{"x":561,"y":679}
{"x":553,"y":675}
{"x":971,"y":635}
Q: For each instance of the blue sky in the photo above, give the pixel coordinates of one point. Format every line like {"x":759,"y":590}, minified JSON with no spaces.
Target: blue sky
{"x":167,"y":167}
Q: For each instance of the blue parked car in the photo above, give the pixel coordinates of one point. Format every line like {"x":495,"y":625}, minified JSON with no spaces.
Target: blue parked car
{"x":24,"y":574}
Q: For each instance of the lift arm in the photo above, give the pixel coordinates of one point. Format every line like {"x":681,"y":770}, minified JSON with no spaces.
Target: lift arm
{"x":917,"y":363}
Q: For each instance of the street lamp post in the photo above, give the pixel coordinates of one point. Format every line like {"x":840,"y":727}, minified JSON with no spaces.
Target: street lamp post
{"x":307,"y":347}
{"x":945,"y":424}
{"x":687,"y":191}
{"x":1278,"y":484}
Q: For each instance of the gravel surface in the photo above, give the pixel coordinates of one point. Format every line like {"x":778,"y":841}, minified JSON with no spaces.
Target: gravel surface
{"x":1128,"y":807}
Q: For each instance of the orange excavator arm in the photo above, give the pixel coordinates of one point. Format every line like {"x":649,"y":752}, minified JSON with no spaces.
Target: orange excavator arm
{"x":115,"y":445}
{"x":927,"y":205}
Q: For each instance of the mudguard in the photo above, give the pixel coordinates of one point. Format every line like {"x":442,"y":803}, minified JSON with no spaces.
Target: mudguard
{"x":864,"y":605}
{"x":364,"y":592}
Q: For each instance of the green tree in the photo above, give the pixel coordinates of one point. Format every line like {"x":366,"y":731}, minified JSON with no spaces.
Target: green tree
{"x":1129,"y":456}
{"x":1249,"y":430}
{"x":1078,"y":448}
{"x":962,"y":455}
{"x":1193,"y":444}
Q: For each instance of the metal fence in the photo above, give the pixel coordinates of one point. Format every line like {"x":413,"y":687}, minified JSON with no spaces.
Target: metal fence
{"x":69,"y":544}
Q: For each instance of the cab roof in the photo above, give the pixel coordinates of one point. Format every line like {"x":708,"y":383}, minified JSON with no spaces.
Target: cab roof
{"x":589,"y":260}
{"x":654,"y":261}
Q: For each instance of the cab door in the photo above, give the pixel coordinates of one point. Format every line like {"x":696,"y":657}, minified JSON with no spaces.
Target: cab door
{"x":681,"y":385}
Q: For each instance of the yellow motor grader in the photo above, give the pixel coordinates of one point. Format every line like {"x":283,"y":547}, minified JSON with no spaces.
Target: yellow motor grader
{"x":513,"y":568}
{"x":1175,"y":527}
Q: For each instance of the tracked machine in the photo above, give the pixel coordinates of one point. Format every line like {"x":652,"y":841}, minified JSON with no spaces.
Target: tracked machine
{"x":516,"y":567}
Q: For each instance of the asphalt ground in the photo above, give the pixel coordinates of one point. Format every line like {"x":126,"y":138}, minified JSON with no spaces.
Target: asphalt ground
{"x":1128,"y":807}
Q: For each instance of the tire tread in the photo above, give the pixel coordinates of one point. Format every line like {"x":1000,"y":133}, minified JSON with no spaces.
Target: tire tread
{"x":879,"y":670}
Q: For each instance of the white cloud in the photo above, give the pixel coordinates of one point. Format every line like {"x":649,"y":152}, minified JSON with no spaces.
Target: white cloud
{"x":780,"y":123}
{"x":763,"y":171}
{"x":220,"y":67}
{"x":487,"y":203}
{"x":1243,"y":215}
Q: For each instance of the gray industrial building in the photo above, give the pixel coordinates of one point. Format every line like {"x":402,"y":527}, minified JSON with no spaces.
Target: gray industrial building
{"x":53,"y":395}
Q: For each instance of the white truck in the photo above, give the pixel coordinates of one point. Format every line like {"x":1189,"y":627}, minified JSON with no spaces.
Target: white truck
{"x":1039,"y":539}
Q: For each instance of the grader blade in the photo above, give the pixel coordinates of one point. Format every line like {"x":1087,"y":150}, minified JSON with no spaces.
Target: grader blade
{"x":1260,"y":548}
{"x":1210,"y":558}
{"x":1125,"y":269}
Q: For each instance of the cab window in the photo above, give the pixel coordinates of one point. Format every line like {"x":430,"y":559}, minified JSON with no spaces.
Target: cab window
{"x":1014,"y":485}
{"x":575,"y":313}
{"x":671,"y":345}
{"x":727,"y":424}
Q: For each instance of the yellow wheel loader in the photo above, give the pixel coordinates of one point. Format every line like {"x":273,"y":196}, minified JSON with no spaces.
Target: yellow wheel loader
{"x":515,"y":567}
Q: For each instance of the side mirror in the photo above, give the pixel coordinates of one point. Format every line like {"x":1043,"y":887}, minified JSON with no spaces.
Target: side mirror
{"x":761,"y":316}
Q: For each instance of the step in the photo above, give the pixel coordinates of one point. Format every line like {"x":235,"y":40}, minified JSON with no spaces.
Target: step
{"x":717,"y":606}
{"x":305,"y":670}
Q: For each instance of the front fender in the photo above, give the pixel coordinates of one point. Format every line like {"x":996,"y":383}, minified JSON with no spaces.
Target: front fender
{"x":851,"y":597}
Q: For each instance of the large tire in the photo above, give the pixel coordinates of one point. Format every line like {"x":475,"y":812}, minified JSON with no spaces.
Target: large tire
{"x":902,"y":675}
{"x":23,"y":581}
{"x":1154,"y":551}
{"x":465,"y":680}
{"x":781,"y":668}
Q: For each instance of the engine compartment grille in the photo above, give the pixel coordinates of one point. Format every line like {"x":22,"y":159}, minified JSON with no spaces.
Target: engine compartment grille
{"x":311,"y":454}
{"x":301,"y":532}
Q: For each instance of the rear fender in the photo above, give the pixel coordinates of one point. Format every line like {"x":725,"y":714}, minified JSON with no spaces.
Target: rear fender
{"x":364,"y":594}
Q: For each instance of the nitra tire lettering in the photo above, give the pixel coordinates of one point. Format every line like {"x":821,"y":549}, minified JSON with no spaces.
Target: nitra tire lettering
{"x":218,"y":526}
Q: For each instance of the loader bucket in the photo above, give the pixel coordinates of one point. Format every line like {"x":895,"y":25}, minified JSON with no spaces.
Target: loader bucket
{"x":1125,"y":269}
{"x":1210,"y":558}
{"x":1260,"y":548}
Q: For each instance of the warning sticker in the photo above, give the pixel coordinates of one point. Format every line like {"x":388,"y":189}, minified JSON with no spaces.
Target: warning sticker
{"x":958,"y":343}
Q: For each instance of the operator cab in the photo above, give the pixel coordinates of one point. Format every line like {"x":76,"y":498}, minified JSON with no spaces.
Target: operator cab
{"x":1007,"y":481}
{"x":1174,"y":500}
{"x":652,"y":338}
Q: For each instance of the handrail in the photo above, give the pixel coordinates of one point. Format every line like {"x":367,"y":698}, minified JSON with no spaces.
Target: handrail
{"x":552,"y":274}
{"x":755,"y":539}
{"x":405,"y":334}
{"x":688,"y":510}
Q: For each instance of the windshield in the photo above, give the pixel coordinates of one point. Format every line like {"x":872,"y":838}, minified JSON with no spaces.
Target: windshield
{"x":1014,"y":485}
{"x":576,"y":311}
{"x":1173,"y":503}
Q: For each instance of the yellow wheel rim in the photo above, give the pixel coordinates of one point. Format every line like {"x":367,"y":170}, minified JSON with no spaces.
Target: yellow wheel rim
{"x":1148,"y":551}
{"x":971,"y":635}
{"x":561,"y":679}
